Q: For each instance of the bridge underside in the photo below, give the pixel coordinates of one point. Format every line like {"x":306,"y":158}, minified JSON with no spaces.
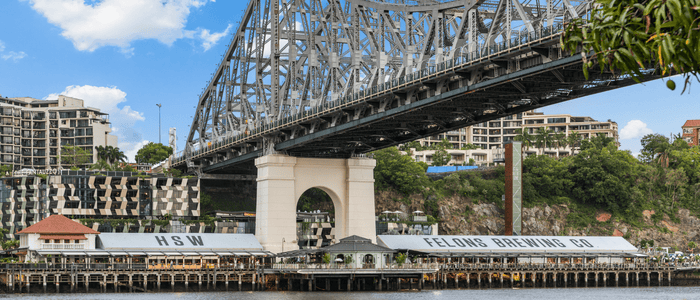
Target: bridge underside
{"x":437,"y":106}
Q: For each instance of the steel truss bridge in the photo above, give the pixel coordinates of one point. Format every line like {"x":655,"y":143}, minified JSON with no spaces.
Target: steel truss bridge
{"x":337,"y":78}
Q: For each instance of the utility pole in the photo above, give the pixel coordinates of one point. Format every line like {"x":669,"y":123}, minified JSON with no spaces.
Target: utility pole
{"x":159,"y":105}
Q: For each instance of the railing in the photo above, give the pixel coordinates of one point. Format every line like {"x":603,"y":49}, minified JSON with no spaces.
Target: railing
{"x":96,"y":266}
{"x":62,"y":246}
{"x":342,"y":266}
{"x":459,"y":61}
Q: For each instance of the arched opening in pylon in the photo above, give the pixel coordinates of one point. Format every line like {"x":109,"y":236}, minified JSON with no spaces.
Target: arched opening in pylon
{"x":315,"y":219}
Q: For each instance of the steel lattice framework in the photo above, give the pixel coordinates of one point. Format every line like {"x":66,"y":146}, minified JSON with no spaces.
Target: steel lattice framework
{"x":292,"y":55}
{"x":342,"y":77}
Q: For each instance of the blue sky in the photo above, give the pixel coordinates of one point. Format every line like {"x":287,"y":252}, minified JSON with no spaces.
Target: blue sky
{"x":124,"y":57}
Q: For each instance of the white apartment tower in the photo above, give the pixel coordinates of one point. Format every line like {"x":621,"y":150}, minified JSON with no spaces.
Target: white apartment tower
{"x":32,"y":131}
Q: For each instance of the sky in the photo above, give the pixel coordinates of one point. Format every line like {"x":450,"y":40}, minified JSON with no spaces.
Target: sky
{"x":125,"y":57}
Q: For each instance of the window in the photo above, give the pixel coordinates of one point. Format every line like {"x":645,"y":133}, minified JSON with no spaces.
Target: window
{"x":688,"y":130}
{"x":556,"y":120}
{"x":66,"y":241}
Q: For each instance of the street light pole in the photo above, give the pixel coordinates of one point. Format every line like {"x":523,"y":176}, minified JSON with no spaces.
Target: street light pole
{"x":159,"y":105}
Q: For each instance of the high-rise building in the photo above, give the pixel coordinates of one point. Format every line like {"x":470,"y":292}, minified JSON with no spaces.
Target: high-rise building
{"x":32,"y":131}
{"x":492,"y":135}
{"x":691,"y":130}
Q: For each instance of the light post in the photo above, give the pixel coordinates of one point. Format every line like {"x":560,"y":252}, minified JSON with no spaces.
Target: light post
{"x":159,"y":105}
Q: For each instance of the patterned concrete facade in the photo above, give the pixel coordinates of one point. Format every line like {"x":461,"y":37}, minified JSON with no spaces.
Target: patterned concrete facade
{"x":94,"y":195}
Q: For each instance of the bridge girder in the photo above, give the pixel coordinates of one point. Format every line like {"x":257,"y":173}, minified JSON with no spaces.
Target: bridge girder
{"x":293,"y":56}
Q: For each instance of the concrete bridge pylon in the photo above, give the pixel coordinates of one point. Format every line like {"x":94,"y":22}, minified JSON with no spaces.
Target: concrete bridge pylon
{"x":283,"y":179}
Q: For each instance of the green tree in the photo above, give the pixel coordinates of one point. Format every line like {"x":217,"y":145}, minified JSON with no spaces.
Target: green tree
{"x":153,"y":153}
{"x":6,"y":170}
{"x":675,"y":181}
{"x":412,"y":144}
{"x":574,"y":140}
{"x":604,"y":177}
{"x":470,"y":147}
{"x":441,"y":157}
{"x":692,"y":245}
{"x":629,"y":35}
{"x":115,"y":155}
{"x":559,"y":140}
{"x":398,"y":171}
{"x":525,"y":137}
{"x":599,"y":142}
{"x":74,"y":156}
{"x":653,"y":145}
{"x":101,"y":165}
{"x":543,"y":138}
{"x":326,"y":258}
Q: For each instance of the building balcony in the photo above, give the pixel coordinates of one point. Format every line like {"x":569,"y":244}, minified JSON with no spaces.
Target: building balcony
{"x":62,"y":246}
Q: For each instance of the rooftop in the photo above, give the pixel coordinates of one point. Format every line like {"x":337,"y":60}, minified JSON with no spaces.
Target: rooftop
{"x":58,"y":224}
{"x":692,"y":123}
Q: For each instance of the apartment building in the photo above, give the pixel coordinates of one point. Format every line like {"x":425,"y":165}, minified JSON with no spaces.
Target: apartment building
{"x":492,"y":135}
{"x":691,"y":130}
{"x":32,"y":131}
{"x":99,"y":196}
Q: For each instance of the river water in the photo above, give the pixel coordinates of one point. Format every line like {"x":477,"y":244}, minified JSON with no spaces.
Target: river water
{"x":675,"y":293}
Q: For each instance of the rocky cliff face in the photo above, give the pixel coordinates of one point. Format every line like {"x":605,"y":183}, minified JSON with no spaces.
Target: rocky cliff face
{"x":463,"y":216}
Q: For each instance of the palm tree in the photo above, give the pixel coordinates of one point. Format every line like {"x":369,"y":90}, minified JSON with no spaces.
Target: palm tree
{"x":101,"y":152}
{"x":559,"y":139}
{"x":525,"y":137}
{"x":116,"y":155}
{"x":574,"y":140}
{"x":543,"y":137}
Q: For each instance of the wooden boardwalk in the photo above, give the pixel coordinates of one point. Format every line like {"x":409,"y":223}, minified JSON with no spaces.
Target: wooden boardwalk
{"x":33,"y":278}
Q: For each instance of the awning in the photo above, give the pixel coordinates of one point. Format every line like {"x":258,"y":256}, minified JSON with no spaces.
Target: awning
{"x":49,"y":252}
{"x":172,"y":253}
{"x":118,"y":253}
{"x":259,"y":253}
{"x":73,"y":253}
{"x":190,"y":253}
{"x":241,"y":253}
{"x":207,"y":253}
{"x":97,"y":253}
{"x":154,"y":253}
{"x":135,"y":253}
{"x":224,"y":253}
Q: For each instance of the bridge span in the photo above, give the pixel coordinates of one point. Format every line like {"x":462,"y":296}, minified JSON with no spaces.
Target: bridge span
{"x":344,"y":78}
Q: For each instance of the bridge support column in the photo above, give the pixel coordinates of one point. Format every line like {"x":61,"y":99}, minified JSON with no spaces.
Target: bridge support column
{"x":283,"y":179}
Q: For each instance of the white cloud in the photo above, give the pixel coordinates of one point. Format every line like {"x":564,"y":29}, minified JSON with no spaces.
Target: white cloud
{"x":14,"y":56}
{"x":109,"y":100}
{"x":118,"y":23}
{"x":211,"y":39}
{"x":133,"y":148}
{"x":634,"y":129}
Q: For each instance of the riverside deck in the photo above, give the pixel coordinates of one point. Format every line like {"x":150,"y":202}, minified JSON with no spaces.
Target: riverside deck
{"x":106,"y":278}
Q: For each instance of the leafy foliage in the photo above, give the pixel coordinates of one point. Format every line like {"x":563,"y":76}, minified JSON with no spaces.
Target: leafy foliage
{"x":628,"y":35}
{"x":74,"y":156}
{"x":441,"y":157}
{"x":398,"y":171}
{"x":153,"y":153}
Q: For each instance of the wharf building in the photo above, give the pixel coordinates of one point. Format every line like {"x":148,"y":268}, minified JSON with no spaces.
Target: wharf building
{"x":59,"y":253}
{"x":691,"y":132}
{"x":32,"y":131}
{"x":490,"y":137}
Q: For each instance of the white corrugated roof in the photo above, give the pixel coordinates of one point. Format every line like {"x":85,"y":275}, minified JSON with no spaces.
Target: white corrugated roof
{"x":507,"y":244}
{"x":209,"y":242}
